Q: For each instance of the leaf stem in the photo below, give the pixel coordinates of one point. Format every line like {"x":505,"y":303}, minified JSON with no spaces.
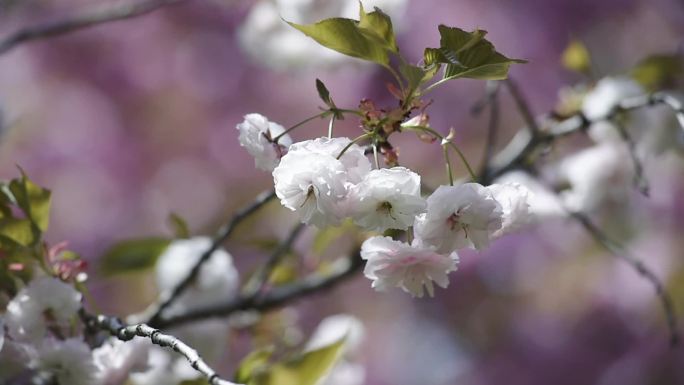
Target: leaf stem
{"x":453,"y":146}
{"x":303,"y":122}
{"x":330,"y":126}
{"x":353,"y":142}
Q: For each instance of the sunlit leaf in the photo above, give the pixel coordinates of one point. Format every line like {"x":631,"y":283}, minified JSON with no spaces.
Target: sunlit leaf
{"x":576,"y":57}
{"x":659,"y":71}
{"x":371,"y":38}
{"x":133,"y":255}
{"x":196,"y":381}
{"x":254,"y":362}
{"x":33,"y":200}
{"x":19,"y":231}
{"x":325,"y":237}
{"x":468,"y":55}
{"x":377,"y":25}
{"x":307,"y":369}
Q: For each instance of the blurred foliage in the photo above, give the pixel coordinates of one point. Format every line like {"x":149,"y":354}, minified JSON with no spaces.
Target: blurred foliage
{"x":659,"y":71}
{"x":576,"y":57}
{"x":132,"y":255}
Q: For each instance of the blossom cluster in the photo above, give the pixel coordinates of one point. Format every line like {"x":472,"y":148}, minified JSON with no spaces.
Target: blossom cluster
{"x":327,"y":180}
{"x":41,"y":337}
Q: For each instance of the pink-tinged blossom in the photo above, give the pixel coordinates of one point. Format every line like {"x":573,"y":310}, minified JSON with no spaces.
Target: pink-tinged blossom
{"x":311,"y":181}
{"x":514,"y":199}
{"x":413,"y":267}
{"x":460,"y":216}
{"x":386,"y":199}
{"x":45,"y":302}
{"x":256,"y":136}
{"x":69,"y":361}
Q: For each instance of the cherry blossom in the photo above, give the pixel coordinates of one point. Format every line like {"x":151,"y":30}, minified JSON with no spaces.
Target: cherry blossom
{"x":217,"y":280}
{"x":45,"y":302}
{"x":392,"y":263}
{"x":460,"y":216}
{"x":256,"y":136}
{"x":116,"y":360}
{"x":514,"y":199}
{"x":70,"y":361}
{"x":607,"y":94}
{"x":311,"y":181}
{"x":387,"y":199}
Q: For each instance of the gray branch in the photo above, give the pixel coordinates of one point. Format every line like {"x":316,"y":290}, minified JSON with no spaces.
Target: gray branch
{"x":276,"y":297}
{"x":85,"y":20}
{"x":167,"y":298}
{"x":521,"y":151}
{"x":124,"y":332}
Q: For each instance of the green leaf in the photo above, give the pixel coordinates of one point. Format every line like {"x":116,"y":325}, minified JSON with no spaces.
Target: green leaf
{"x":307,"y":369}
{"x":179,"y":226}
{"x":576,"y":57}
{"x":323,"y":93}
{"x":19,"y":231}
{"x":196,"y":381}
{"x":371,"y":38}
{"x":378,"y":26}
{"x":659,"y":71}
{"x":327,"y":236}
{"x":132,"y":255}
{"x":468,"y":55}
{"x":251,"y":365}
{"x":33,"y":200}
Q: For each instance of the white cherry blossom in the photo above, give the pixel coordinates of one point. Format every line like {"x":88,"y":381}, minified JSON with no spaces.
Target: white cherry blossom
{"x":386,"y":199}
{"x":335,"y":327}
{"x":256,"y":136}
{"x":217,"y":281}
{"x":607,"y":94}
{"x":311,"y":181}
{"x":514,"y":199}
{"x":413,"y":267}
{"x":460,"y":216}
{"x":46,"y":301}
{"x":595,"y":175}
{"x":116,"y":360}
{"x":70,"y":361}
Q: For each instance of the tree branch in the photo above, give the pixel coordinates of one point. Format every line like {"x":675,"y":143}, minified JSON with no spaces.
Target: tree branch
{"x":644,"y":271}
{"x":124,"y":332}
{"x":520,"y":153}
{"x":493,"y":125}
{"x":523,"y":105}
{"x":525,"y":145}
{"x":167,"y":298}
{"x":278,"y":296}
{"x":85,"y":20}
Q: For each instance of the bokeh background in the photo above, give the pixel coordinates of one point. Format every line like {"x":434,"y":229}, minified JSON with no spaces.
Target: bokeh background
{"x":131,"y":121}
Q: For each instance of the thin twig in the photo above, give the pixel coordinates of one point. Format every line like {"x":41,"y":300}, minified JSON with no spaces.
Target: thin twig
{"x":260,"y":279}
{"x":523,"y":105}
{"x":492,"y":126}
{"x":644,"y":271}
{"x":524,"y":145}
{"x":124,"y":332}
{"x":85,"y":20}
{"x":640,"y":181}
{"x":167,"y":298}
{"x":278,"y":296}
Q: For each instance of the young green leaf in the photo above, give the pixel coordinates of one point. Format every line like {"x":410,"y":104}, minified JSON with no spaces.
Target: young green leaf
{"x":251,"y":365}
{"x":307,"y":369}
{"x":370,"y":38}
{"x":132,"y":255}
{"x":18,"y":231}
{"x":659,"y":71}
{"x":33,"y":200}
{"x":576,"y":57}
{"x":377,"y":25}
{"x":468,"y":55}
